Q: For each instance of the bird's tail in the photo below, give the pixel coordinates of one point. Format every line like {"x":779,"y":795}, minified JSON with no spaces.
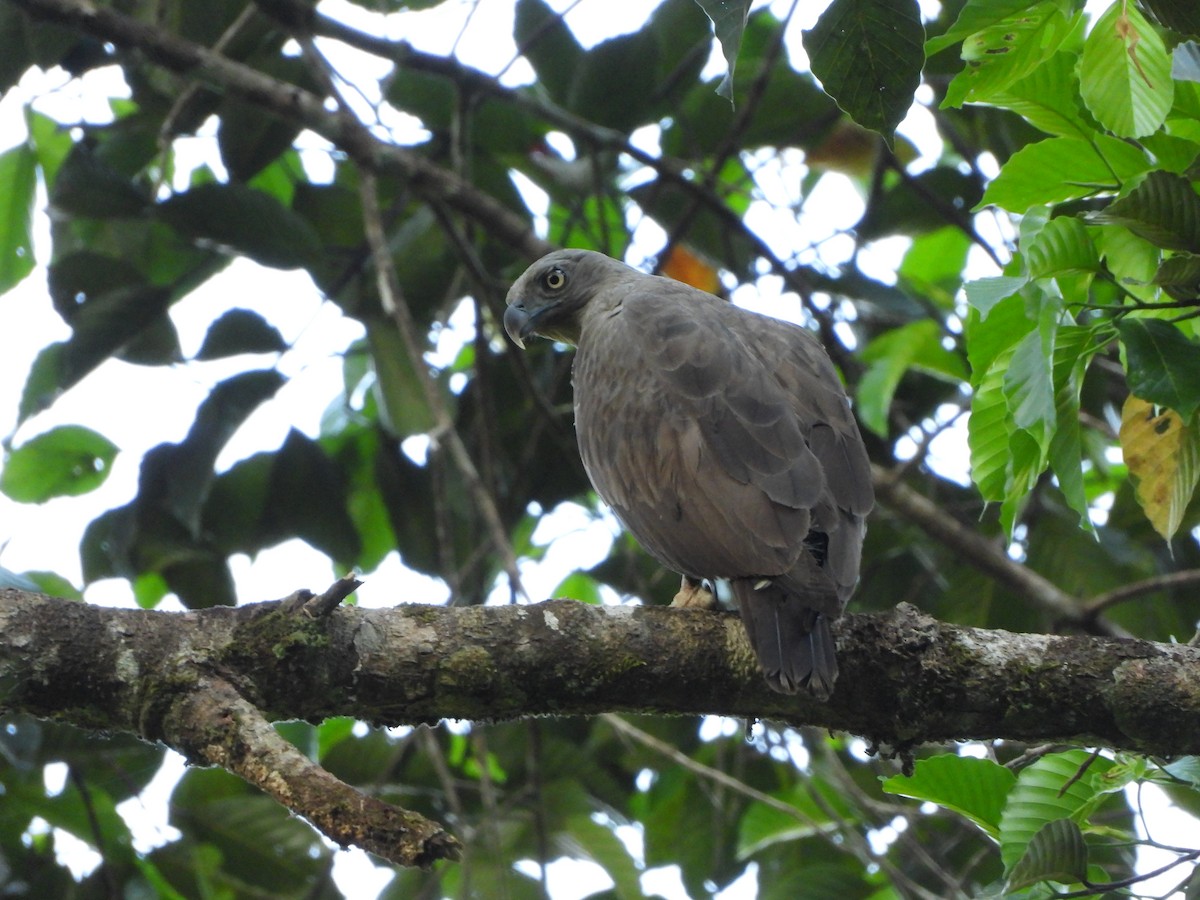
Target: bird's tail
{"x":792,"y":640}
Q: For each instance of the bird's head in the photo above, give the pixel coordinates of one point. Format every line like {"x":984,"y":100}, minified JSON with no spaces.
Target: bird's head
{"x":549,"y":298}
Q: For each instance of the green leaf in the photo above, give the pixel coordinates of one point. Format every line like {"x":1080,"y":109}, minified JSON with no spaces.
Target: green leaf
{"x":1009,"y":49}
{"x":1163,"y":208}
{"x":868,"y":56}
{"x":1132,"y":260}
{"x":609,"y":86}
{"x":988,"y":339}
{"x":1186,"y":768}
{"x":976,"y":16}
{"x":240,"y":331}
{"x":1026,"y":461}
{"x":1042,"y":795}
{"x":985,"y":293}
{"x":64,"y":462}
{"x":1048,"y":98}
{"x":1073,"y":350}
{"x":593,"y":841}
{"x":729,"y":21}
{"x":18,"y":175}
{"x":1063,"y":168}
{"x":578,"y":586}
{"x":103,"y":326}
{"x":1125,"y":73}
{"x":238,"y":219}
{"x":933,"y":265}
{"x":88,"y":186}
{"x":1063,"y":245}
{"x":1029,"y":383}
{"x":916,"y":345}
{"x":398,"y":384}
{"x":988,"y":432}
{"x":976,"y":788}
{"x":1057,"y":852}
{"x":545,"y":40}
{"x":1179,"y":276}
{"x":1163,"y":366}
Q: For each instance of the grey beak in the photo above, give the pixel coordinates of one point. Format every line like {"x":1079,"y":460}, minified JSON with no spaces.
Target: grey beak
{"x":518,"y":324}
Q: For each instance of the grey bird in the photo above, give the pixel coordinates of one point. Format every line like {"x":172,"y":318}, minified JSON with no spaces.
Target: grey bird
{"x":722,"y":439}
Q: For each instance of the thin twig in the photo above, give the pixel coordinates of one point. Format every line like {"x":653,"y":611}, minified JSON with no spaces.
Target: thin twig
{"x":984,"y":554}
{"x":392,"y":299}
{"x":1169,"y":581}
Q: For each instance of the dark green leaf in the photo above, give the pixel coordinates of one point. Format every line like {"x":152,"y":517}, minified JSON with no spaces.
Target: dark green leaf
{"x":729,"y":21}
{"x":1163,"y":209}
{"x":545,"y":40}
{"x":103,"y":326}
{"x":295,"y":491}
{"x":1163,"y":365}
{"x":251,"y":138}
{"x":1179,"y":276}
{"x":90,"y":187}
{"x":399,"y":384}
{"x":610,"y":84}
{"x":240,"y":331}
{"x":1062,"y":246}
{"x":868,"y":56}
{"x":1178,"y":15}
{"x":1057,"y":852}
{"x":238,"y":219}
{"x":64,"y":462}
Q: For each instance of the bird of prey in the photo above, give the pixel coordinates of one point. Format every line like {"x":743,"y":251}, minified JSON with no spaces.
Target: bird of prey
{"x":722,"y":439}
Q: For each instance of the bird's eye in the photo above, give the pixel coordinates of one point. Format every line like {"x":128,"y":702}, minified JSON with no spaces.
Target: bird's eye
{"x":555,"y":279}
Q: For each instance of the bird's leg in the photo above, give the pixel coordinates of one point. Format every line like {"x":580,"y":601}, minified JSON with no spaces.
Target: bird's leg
{"x":694,"y":594}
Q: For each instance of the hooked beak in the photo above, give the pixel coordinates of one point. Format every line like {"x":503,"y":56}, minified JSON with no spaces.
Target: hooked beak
{"x":518,"y":324}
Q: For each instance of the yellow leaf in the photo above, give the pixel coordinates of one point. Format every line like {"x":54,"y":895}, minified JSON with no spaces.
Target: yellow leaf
{"x":1163,"y":456}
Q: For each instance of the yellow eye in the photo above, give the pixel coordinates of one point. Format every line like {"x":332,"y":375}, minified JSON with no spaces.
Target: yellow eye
{"x":555,"y":279}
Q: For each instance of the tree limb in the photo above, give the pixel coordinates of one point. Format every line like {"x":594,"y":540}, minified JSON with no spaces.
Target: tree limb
{"x":293,"y":103}
{"x":906,"y":678}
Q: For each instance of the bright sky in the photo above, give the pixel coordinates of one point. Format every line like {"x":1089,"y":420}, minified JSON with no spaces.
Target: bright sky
{"x":137,"y":412}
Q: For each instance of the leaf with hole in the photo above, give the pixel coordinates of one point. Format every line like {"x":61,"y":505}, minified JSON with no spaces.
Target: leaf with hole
{"x":64,"y":462}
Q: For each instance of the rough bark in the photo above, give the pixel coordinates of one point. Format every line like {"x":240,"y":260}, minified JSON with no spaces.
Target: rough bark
{"x":208,"y":683}
{"x":906,"y":678}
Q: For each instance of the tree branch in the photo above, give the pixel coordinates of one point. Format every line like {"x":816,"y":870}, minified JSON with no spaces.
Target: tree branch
{"x":985,"y":555}
{"x":906,"y":678}
{"x":291,"y":102}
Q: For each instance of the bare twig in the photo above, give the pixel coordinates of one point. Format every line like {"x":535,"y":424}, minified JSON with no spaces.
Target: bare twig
{"x":1169,"y":581}
{"x":985,"y":555}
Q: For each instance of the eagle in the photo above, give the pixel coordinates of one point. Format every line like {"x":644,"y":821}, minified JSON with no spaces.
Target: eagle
{"x":724,"y":442}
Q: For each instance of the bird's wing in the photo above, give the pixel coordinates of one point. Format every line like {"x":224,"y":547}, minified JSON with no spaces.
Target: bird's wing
{"x":697,"y":423}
